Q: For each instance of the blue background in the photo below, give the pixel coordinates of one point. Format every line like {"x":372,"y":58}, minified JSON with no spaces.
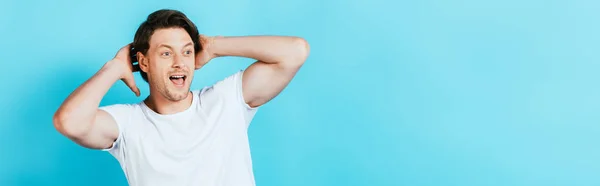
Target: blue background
{"x":418,"y":93}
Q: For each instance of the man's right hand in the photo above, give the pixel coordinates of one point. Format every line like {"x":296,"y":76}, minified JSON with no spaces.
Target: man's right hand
{"x":80,"y":117}
{"x":124,"y":67}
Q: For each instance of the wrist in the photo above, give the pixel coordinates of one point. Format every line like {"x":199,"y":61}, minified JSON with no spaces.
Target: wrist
{"x":113,"y":68}
{"x":214,"y":46}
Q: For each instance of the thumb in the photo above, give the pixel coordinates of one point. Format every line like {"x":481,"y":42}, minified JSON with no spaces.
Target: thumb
{"x":128,"y":80}
{"x":136,"y":91}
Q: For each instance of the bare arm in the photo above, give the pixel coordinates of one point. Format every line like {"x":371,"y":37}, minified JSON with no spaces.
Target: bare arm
{"x":79,"y":118}
{"x":279,"y":58}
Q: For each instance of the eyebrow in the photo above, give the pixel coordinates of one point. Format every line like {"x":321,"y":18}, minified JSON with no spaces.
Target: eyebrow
{"x":169,"y":46}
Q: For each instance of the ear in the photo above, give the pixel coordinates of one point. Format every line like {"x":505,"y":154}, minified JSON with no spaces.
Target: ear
{"x":142,"y":62}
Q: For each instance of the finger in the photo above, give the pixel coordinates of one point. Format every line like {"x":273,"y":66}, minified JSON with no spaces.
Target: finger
{"x":127,"y":47}
{"x":199,"y":65}
{"x":124,"y":49}
{"x":131,"y":84}
{"x":137,"y":92}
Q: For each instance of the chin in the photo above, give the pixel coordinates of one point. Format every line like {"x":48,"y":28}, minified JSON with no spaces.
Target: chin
{"x":177,"y":94}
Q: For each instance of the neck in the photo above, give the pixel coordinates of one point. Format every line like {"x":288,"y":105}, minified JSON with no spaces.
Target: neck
{"x":164,"y":106}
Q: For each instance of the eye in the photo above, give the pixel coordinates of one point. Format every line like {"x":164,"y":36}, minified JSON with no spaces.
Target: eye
{"x":188,"y":52}
{"x":166,"y":54}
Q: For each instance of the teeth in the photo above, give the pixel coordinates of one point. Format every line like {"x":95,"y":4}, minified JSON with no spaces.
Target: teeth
{"x":177,"y":76}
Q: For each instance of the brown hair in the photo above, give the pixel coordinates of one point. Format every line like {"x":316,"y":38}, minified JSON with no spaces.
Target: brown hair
{"x":164,"y":18}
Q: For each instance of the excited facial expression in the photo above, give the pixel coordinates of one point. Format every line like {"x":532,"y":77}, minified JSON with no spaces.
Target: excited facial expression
{"x":169,"y":63}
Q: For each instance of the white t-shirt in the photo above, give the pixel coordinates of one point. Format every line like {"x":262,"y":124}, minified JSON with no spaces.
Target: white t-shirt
{"x":207,"y":144}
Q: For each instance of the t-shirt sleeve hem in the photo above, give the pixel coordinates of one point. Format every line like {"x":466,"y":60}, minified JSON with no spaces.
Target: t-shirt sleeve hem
{"x":240,"y":93}
{"x":117,"y":141}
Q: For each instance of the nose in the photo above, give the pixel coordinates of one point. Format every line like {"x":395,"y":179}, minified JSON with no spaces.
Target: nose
{"x":178,"y":62}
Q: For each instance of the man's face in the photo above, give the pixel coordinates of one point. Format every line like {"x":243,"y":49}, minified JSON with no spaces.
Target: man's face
{"x":169,"y":63}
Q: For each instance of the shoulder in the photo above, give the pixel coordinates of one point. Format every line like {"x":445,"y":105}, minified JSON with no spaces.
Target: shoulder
{"x":231,"y":82}
{"x":228,"y":90}
{"x":225,"y":96}
{"x":121,"y":107}
{"x":122,"y":113}
{"x":225,"y":86}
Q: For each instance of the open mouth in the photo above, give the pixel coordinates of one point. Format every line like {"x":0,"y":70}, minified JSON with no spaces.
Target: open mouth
{"x":178,"y":80}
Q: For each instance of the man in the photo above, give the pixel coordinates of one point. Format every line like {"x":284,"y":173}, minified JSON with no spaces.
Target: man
{"x":178,"y":136}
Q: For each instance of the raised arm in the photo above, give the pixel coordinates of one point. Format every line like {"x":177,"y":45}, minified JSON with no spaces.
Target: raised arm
{"x":79,"y":117}
{"x":279,"y":58}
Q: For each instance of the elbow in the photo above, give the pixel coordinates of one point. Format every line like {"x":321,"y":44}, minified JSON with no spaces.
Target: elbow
{"x":303,"y":48}
{"x":67,"y":126}
{"x":300,"y":52}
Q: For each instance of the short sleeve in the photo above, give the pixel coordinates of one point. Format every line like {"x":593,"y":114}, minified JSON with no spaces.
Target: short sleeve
{"x":121,"y":114}
{"x":231,"y":88}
